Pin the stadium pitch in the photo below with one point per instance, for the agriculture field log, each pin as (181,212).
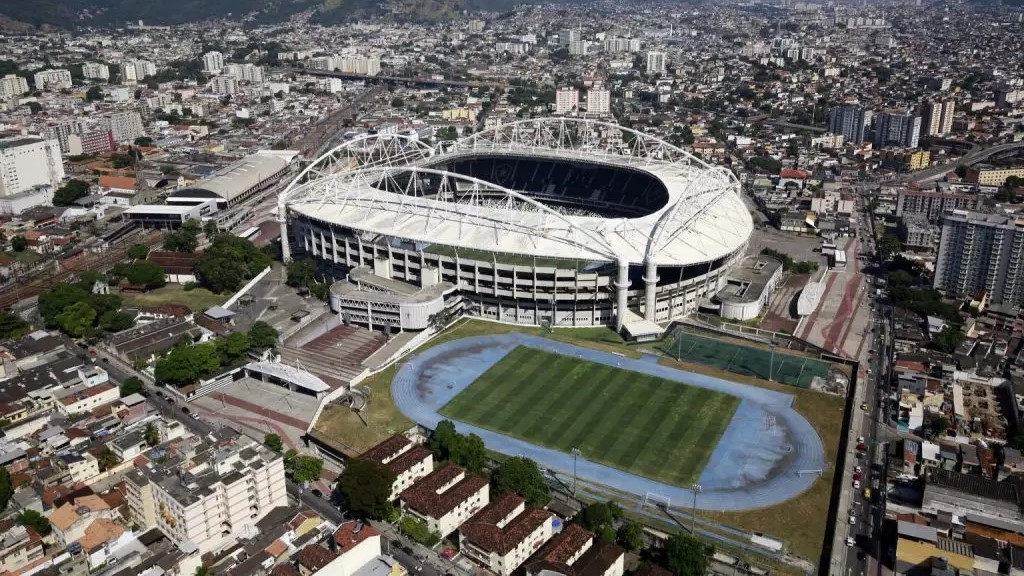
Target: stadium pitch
(650,426)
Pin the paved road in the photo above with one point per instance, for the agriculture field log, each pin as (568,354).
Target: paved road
(972,157)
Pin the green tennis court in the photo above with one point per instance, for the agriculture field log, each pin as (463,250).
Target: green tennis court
(796,371)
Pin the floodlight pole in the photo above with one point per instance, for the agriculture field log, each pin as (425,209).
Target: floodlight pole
(771,366)
(575,455)
(693,515)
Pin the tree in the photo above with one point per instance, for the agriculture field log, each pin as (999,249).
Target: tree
(186,364)
(948,339)
(365,486)
(72,190)
(6,489)
(143,141)
(107,459)
(19,243)
(34,520)
(631,536)
(940,425)
(94,94)
(685,555)
(889,245)
(232,347)
(184,239)
(138,251)
(210,228)
(203,571)
(146,274)
(306,468)
(274,442)
(596,516)
(300,273)
(262,335)
(152,435)
(522,476)
(77,319)
(397,102)
(35,107)
(113,321)
(12,327)
(230,262)
(132,385)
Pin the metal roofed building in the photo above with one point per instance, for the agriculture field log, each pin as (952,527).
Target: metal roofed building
(236,182)
(572,222)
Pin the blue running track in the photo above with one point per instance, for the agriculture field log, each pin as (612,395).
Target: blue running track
(767,455)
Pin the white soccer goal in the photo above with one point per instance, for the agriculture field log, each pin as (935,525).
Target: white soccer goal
(658,500)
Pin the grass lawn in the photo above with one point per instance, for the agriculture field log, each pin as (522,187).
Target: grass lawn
(649,426)
(198,299)
(380,419)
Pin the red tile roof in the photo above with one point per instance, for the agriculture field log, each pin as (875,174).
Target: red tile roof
(425,496)
(347,538)
(315,557)
(792,173)
(483,530)
(121,182)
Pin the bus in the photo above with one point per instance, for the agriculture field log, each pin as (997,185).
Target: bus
(250,233)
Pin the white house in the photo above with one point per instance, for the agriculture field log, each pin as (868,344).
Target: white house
(505,533)
(446,498)
(407,460)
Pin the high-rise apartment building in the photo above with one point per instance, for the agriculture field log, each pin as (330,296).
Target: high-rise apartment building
(655,62)
(95,71)
(897,129)
(851,121)
(244,72)
(979,251)
(568,36)
(223,85)
(579,47)
(933,205)
(567,100)
(938,118)
(219,494)
(599,100)
(61,132)
(619,45)
(27,162)
(125,126)
(213,62)
(59,79)
(135,70)
(11,85)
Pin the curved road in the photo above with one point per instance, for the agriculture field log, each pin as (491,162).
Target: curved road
(972,157)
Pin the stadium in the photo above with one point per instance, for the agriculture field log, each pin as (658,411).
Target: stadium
(558,221)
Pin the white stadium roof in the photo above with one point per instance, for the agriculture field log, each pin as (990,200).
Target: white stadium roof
(703,220)
(239,177)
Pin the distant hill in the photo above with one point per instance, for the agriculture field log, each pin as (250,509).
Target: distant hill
(72,13)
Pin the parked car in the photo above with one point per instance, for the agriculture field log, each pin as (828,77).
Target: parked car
(850,541)
(317,493)
(853,519)
(185,410)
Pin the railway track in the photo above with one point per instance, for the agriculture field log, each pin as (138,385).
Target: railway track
(71,267)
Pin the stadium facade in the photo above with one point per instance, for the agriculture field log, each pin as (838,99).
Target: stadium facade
(568,222)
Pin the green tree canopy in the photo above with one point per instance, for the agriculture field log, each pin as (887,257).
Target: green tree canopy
(132,385)
(186,364)
(94,94)
(55,301)
(113,321)
(466,451)
(522,476)
(138,251)
(229,263)
(107,459)
(19,243)
(72,190)
(184,239)
(262,335)
(7,490)
(301,273)
(12,327)
(145,273)
(685,555)
(365,486)
(36,521)
(232,347)
(143,141)
(631,536)
(77,319)
(274,442)
(152,435)
(889,245)
(306,468)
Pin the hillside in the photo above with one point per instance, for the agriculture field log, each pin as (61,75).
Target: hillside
(71,13)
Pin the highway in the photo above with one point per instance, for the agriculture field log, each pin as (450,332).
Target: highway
(418,81)
(972,157)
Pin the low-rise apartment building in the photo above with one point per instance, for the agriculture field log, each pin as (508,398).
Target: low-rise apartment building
(446,498)
(406,459)
(575,551)
(505,533)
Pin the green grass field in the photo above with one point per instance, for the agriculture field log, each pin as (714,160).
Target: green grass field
(652,427)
